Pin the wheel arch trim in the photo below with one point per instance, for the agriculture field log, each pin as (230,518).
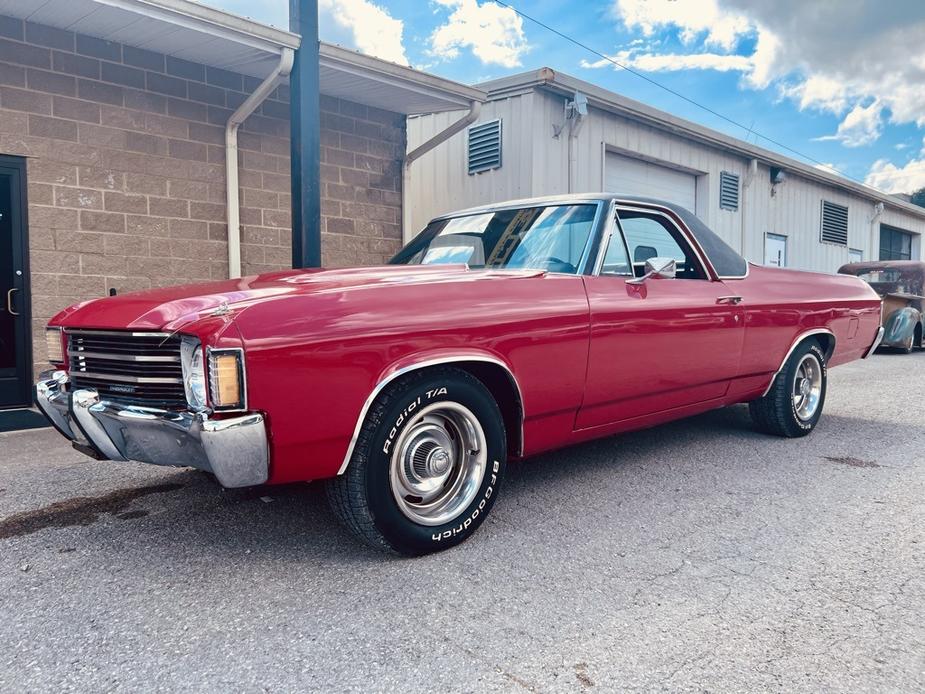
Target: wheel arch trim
(796,343)
(446,360)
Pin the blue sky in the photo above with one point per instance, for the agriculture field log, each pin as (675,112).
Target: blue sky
(841,81)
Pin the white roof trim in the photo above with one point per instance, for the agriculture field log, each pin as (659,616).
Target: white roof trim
(440,94)
(615,103)
(193,15)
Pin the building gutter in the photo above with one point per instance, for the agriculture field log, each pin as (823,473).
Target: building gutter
(232,193)
(475,108)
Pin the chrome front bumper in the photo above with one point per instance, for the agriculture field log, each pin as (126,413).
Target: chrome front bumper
(877,341)
(235,450)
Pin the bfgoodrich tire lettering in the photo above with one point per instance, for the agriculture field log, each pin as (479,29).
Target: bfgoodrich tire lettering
(427,466)
(793,406)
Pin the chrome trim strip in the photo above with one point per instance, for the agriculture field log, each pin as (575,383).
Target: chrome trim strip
(119,378)
(612,230)
(683,230)
(877,340)
(423,365)
(547,201)
(800,338)
(116,333)
(582,267)
(123,357)
(663,209)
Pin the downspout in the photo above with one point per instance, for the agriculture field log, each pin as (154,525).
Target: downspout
(475,108)
(750,176)
(574,130)
(232,201)
(875,231)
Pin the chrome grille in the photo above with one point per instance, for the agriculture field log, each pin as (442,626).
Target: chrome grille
(134,367)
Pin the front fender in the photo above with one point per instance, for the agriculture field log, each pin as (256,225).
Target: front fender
(899,329)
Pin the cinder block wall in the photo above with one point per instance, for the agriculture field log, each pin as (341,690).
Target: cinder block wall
(362,149)
(125,167)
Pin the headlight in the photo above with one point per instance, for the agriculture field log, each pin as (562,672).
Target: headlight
(226,379)
(194,375)
(55,345)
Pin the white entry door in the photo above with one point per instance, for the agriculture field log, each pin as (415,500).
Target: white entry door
(775,250)
(630,176)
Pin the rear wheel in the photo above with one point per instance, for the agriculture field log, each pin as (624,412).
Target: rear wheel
(427,465)
(793,406)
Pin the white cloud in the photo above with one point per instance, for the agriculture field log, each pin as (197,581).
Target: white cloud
(365,26)
(825,58)
(700,18)
(818,92)
(674,62)
(494,34)
(894,179)
(862,126)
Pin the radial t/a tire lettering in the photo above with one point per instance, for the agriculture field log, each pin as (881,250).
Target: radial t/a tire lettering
(427,466)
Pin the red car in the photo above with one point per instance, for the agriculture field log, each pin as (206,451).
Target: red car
(497,333)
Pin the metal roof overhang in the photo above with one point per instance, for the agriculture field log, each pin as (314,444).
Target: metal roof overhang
(350,75)
(202,34)
(178,28)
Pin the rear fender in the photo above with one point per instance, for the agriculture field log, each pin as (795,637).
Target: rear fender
(900,326)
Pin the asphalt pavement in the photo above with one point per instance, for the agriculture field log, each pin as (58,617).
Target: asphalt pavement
(697,556)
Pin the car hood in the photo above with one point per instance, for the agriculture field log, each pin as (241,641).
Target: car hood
(170,308)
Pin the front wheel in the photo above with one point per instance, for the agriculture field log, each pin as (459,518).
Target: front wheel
(427,465)
(793,406)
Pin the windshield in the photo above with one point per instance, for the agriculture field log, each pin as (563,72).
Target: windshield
(542,238)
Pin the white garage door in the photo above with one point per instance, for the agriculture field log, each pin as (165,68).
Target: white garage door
(628,176)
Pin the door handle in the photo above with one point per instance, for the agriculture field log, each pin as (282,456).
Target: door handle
(734,300)
(9,301)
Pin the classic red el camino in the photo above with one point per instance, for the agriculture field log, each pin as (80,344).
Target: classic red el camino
(497,333)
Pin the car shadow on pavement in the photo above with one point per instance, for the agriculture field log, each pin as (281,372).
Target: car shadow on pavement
(187,513)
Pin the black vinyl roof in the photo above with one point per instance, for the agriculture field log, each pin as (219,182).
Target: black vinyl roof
(724,259)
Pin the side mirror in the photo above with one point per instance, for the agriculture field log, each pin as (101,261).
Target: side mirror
(662,268)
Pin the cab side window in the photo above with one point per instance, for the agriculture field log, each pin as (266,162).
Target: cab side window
(652,236)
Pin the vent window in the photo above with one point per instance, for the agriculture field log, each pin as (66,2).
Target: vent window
(728,191)
(834,223)
(485,146)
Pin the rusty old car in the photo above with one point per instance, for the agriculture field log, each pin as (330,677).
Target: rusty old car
(901,284)
(497,333)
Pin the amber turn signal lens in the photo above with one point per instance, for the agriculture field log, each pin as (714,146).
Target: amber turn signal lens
(55,347)
(226,375)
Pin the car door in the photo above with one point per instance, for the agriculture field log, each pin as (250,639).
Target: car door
(659,344)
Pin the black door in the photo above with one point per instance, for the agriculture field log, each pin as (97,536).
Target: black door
(15,333)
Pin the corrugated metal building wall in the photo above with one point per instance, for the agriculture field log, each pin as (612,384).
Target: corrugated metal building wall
(535,161)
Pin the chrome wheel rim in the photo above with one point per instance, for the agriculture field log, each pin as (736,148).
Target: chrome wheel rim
(438,463)
(807,387)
